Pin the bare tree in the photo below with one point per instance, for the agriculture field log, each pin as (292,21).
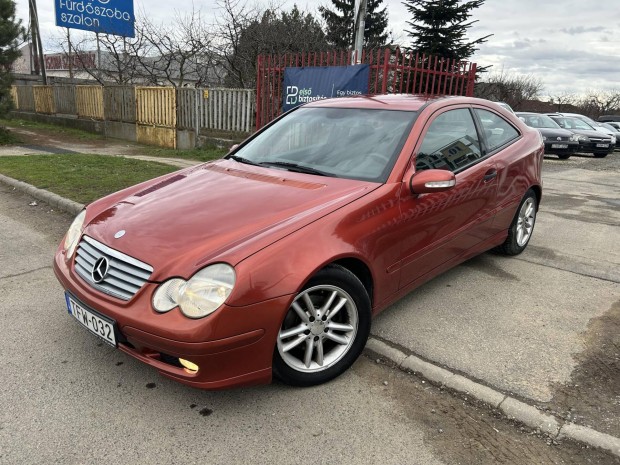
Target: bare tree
(597,103)
(562,100)
(178,53)
(512,88)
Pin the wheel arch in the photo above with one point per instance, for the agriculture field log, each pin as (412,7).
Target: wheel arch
(538,191)
(360,270)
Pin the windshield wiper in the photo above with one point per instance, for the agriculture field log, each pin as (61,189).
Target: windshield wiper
(297,168)
(243,160)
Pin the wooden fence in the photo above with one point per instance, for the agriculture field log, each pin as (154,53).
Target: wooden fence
(119,103)
(65,100)
(157,112)
(44,100)
(89,100)
(25,98)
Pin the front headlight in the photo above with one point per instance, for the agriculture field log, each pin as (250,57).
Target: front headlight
(74,233)
(613,139)
(583,138)
(198,297)
(575,137)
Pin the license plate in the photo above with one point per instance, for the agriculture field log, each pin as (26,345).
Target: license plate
(559,146)
(94,322)
(602,145)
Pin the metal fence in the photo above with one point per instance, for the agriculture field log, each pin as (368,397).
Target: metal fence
(164,107)
(391,71)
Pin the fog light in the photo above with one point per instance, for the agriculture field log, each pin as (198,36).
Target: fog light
(189,367)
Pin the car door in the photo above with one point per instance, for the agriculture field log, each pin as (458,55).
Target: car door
(512,164)
(438,227)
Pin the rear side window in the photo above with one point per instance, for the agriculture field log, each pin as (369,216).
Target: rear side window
(451,143)
(498,132)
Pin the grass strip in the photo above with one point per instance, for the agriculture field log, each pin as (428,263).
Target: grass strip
(56,129)
(82,178)
(201,154)
(8,138)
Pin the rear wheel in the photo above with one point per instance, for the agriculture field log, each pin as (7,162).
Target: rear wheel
(522,226)
(324,330)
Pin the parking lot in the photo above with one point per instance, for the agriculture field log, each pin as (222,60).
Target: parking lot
(543,326)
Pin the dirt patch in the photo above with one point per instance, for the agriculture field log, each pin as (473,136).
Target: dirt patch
(592,397)
(53,142)
(463,431)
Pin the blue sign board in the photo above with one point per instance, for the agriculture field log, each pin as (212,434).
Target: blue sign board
(303,85)
(104,16)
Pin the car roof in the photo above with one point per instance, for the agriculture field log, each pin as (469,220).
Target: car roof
(408,102)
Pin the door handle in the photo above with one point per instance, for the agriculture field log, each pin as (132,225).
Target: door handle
(490,175)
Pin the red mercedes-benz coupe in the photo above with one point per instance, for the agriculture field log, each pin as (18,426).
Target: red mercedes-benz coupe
(274,259)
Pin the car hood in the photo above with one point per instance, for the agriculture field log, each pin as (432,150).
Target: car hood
(591,133)
(552,132)
(220,211)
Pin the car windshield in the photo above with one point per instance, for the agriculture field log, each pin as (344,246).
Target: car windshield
(350,143)
(572,123)
(609,127)
(539,121)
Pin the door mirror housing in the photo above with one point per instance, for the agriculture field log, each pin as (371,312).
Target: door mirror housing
(233,147)
(428,181)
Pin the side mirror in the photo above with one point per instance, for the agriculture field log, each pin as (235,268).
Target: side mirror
(233,148)
(427,181)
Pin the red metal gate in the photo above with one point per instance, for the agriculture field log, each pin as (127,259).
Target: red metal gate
(391,71)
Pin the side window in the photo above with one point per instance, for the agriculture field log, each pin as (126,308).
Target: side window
(497,130)
(451,143)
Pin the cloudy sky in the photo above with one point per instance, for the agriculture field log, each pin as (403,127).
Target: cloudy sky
(573,46)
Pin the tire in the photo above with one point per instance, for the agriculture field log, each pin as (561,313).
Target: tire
(522,226)
(600,155)
(564,156)
(325,329)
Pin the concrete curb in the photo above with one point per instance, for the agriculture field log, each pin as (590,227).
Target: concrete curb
(511,407)
(514,409)
(53,200)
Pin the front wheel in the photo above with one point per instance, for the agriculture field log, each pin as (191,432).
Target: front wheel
(522,226)
(324,330)
(564,156)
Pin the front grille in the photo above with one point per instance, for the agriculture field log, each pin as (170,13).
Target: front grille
(125,275)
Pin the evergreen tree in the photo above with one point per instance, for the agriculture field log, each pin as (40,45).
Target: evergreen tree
(340,23)
(10,31)
(439,27)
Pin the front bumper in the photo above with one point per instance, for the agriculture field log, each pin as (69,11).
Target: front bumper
(552,147)
(591,147)
(232,347)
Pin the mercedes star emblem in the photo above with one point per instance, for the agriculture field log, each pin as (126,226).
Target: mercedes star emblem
(100,270)
(119,234)
(559,138)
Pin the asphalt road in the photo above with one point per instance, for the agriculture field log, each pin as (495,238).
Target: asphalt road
(522,325)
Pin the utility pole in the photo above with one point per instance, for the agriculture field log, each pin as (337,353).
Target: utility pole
(360,26)
(70,56)
(36,37)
